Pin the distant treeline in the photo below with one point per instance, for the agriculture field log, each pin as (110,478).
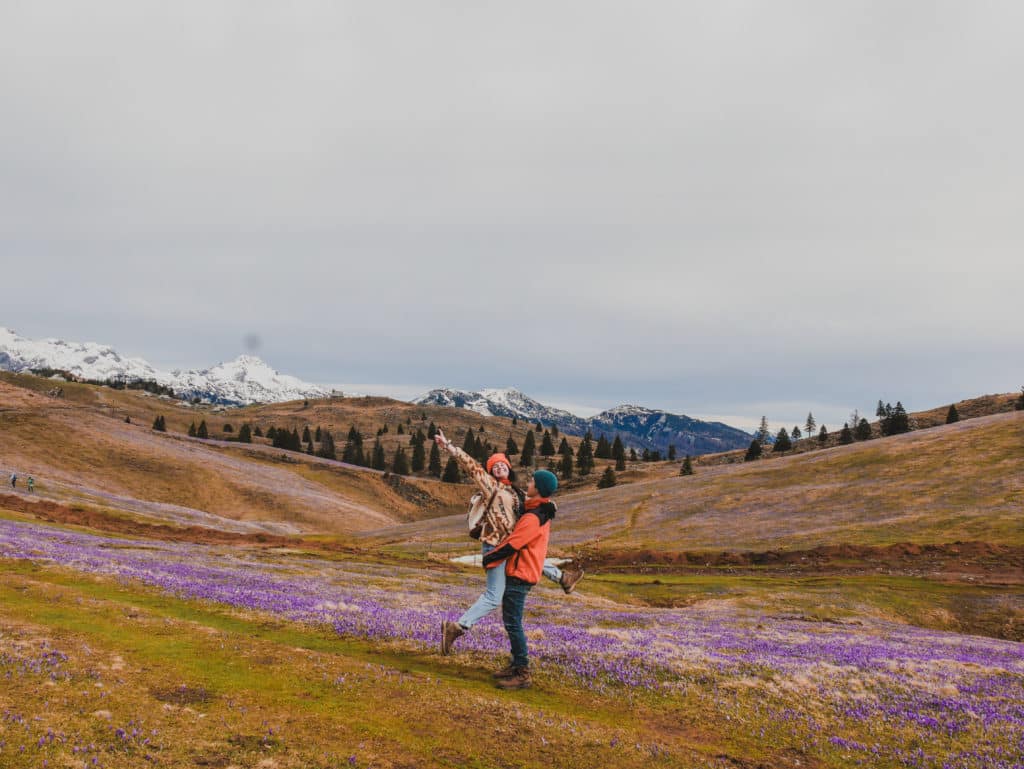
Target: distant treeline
(115,383)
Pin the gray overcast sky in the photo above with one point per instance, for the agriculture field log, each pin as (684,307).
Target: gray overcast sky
(723,208)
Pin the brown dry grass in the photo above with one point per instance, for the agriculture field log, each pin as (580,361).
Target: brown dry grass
(955,482)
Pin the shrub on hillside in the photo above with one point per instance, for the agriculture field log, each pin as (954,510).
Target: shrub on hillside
(753,451)
(607,480)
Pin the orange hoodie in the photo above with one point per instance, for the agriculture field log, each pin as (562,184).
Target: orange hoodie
(524,550)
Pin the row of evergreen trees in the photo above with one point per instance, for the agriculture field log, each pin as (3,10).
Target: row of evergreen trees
(892,420)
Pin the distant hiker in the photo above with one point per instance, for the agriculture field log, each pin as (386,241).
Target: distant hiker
(521,556)
(494,511)
(31,484)
(14,480)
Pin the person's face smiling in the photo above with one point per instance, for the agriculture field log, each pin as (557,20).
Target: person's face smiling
(500,471)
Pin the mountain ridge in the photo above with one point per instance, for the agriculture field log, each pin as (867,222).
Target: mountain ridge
(242,381)
(639,426)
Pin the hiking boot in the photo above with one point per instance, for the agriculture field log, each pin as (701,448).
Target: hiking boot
(449,632)
(506,672)
(569,579)
(520,679)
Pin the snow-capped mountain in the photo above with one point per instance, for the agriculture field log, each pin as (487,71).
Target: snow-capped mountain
(659,429)
(244,380)
(638,426)
(86,360)
(506,402)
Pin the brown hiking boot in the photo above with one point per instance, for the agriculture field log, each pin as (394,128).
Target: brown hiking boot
(520,679)
(449,632)
(569,579)
(506,672)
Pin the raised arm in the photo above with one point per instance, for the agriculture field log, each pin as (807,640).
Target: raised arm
(467,464)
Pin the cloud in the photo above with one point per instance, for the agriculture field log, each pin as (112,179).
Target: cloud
(693,206)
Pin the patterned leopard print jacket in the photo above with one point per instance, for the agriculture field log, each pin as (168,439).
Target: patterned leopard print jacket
(499,521)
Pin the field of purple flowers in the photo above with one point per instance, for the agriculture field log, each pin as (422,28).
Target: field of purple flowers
(863,692)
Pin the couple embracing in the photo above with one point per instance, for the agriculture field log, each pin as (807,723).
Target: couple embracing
(514,527)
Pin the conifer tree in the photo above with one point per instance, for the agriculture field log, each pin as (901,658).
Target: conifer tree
(401,431)
(753,451)
(846,434)
(511,449)
(900,421)
(671,452)
(547,448)
(564,448)
(479,450)
(431,431)
(565,467)
(434,463)
(529,447)
(604,448)
(245,433)
(419,457)
(257,432)
(646,456)
(353,451)
(127,420)
(201,431)
(632,455)
(952,415)
(539,427)
(823,435)
(796,434)
(618,451)
(782,442)
(400,463)
(863,431)
(384,429)
(309,448)
(469,445)
(306,437)
(378,460)
(515,421)
(319,435)
(1019,406)
(272,432)
(620,463)
(607,479)
(881,412)
(585,456)
(451,472)
(294,444)
(655,455)
(159,425)
(810,424)
(687,468)
(762,431)
(327,450)
(192,430)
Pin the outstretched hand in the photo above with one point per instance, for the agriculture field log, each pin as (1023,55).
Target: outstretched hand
(440,440)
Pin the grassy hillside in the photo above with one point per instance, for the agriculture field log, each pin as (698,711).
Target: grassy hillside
(963,481)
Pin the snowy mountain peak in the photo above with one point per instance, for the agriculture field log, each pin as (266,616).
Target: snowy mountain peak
(244,380)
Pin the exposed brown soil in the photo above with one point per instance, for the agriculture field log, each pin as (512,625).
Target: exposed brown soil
(974,561)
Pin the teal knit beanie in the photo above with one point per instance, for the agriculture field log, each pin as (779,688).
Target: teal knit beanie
(546,482)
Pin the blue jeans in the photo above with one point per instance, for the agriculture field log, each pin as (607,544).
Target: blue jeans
(552,572)
(490,599)
(512,603)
